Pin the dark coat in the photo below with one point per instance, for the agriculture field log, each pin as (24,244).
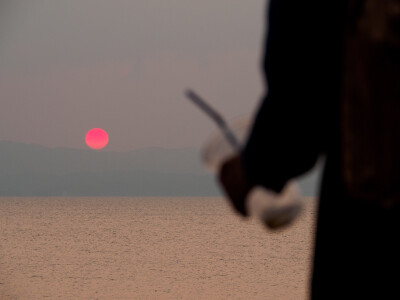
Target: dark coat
(300,119)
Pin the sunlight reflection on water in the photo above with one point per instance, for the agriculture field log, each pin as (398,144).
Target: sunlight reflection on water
(148,248)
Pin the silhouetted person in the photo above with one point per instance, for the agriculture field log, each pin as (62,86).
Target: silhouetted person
(333,80)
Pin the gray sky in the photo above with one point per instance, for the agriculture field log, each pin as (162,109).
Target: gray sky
(68,66)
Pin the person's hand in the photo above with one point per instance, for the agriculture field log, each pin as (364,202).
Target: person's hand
(234,182)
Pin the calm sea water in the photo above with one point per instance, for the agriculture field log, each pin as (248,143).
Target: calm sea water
(148,248)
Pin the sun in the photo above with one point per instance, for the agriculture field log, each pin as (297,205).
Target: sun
(96,138)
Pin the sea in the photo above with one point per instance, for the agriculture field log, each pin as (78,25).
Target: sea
(149,248)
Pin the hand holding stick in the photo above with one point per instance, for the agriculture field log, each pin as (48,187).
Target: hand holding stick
(274,210)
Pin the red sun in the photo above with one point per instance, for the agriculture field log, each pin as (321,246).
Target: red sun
(96,138)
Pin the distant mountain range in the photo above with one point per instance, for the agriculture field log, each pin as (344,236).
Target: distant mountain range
(34,170)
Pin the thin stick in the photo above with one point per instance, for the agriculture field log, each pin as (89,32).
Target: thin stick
(216,117)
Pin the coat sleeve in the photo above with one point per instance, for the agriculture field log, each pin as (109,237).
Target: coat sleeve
(291,126)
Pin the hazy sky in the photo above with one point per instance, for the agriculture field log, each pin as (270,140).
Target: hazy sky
(68,66)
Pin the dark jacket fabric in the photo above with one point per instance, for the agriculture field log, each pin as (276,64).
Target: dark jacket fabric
(356,255)
(297,120)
